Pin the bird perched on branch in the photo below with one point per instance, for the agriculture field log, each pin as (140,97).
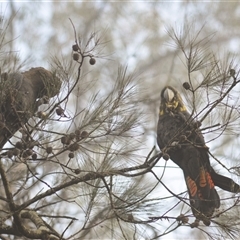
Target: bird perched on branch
(19,95)
(179,137)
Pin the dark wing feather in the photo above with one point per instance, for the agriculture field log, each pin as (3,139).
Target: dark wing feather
(224,183)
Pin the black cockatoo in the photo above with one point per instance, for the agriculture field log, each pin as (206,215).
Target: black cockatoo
(19,98)
(179,136)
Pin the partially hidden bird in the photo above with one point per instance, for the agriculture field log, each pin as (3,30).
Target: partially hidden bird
(179,137)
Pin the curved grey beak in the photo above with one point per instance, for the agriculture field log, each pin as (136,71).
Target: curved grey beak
(168,95)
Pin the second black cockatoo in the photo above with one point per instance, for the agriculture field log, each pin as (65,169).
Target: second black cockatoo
(19,98)
(179,136)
